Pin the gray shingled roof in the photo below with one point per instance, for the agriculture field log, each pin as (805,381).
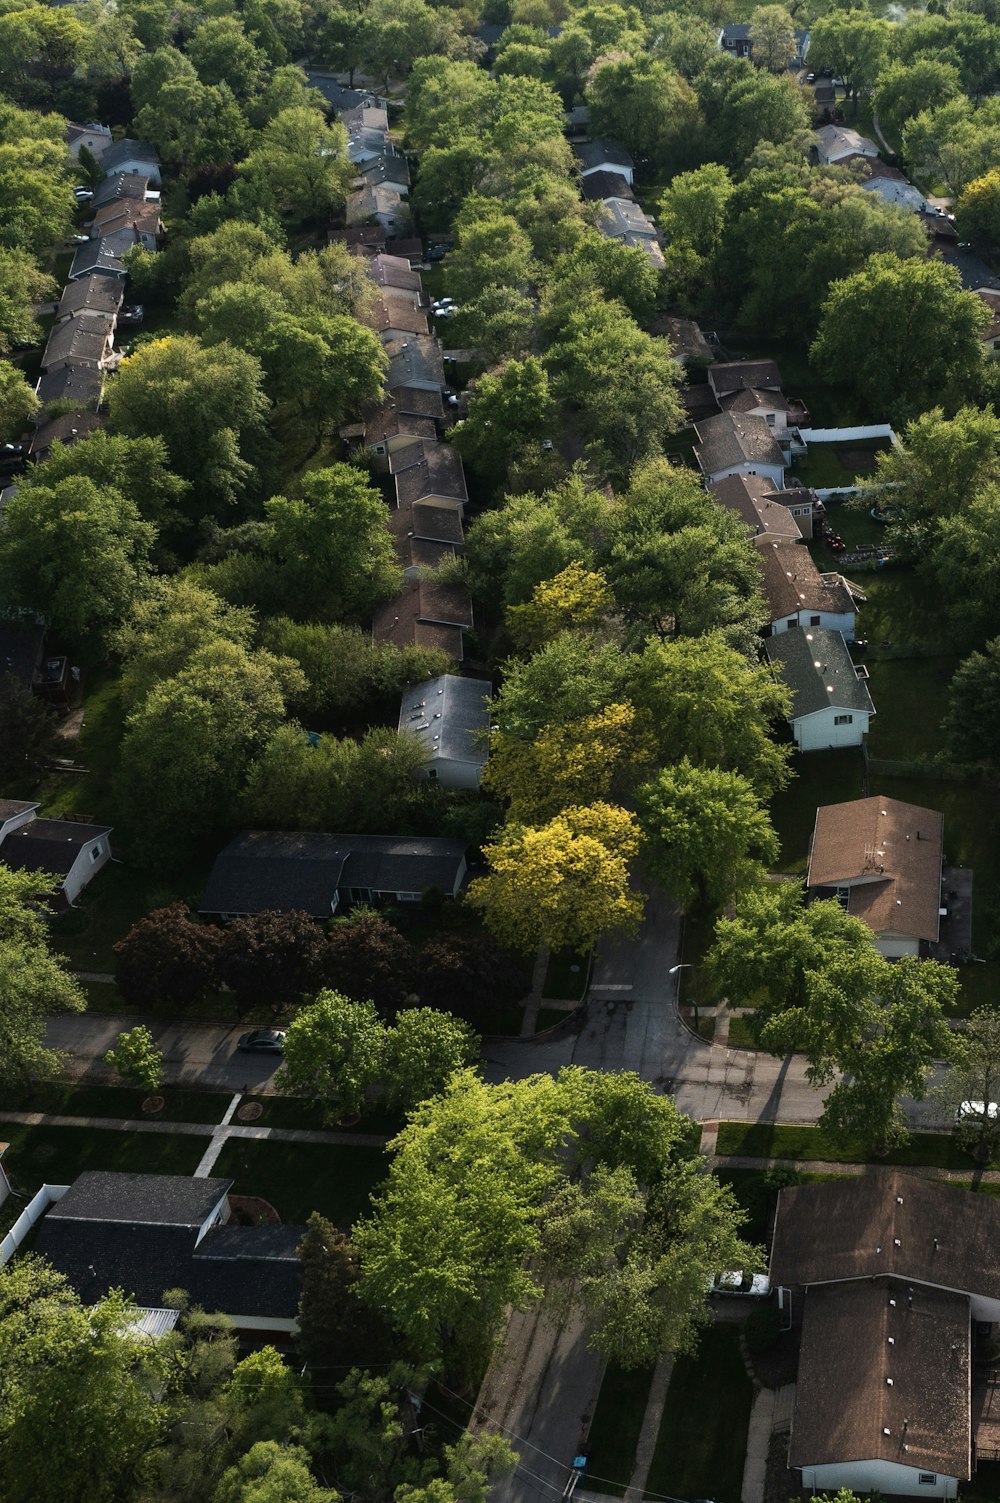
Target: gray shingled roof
(83,340)
(595,154)
(450,717)
(428,469)
(120,185)
(729,439)
(91,294)
(136,1199)
(414,361)
(104,255)
(83,385)
(739,375)
(48,845)
(817,667)
(128,150)
(599,185)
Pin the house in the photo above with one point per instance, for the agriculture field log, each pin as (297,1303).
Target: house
(772,406)
(893,191)
(22,653)
(94,294)
(888,1272)
(67,428)
(389,169)
(121,185)
(686,340)
(415,362)
(366,143)
(82,385)
(14,812)
(578,122)
(835,142)
(343,99)
(66,848)
(301,871)
(366,117)
(729,376)
(94,138)
(428,613)
(80,341)
(104,257)
(622,219)
(450,717)
(428,472)
(804,505)
(132,156)
(389,427)
(148,1233)
(425,533)
(751,497)
(831,705)
(974,272)
(417,402)
(990,335)
(382,205)
(597,186)
(824,94)
(396,272)
(736,40)
(882,859)
(737,444)
(395,316)
(605,156)
(140,215)
(798,595)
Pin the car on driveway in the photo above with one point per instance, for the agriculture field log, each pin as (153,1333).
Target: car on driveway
(746,1285)
(262,1041)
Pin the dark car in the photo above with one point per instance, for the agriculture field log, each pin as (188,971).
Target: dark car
(133,315)
(13,457)
(263,1041)
(437,253)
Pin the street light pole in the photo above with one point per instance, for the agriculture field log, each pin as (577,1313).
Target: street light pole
(686,965)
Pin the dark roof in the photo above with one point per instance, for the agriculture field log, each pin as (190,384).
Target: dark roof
(104,255)
(21,645)
(81,384)
(736,31)
(594,154)
(82,340)
(49,845)
(140,1199)
(884,1374)
(396,312)
(751,397)
(729,440)
(394,271)
(736,375)
(751,497)
(817,667)
(390,168)
(414,401)
(449,716)
(793,583)
(429,519)
(66,429)
(120,185)
(91,294)
(428,613)
(391,421)
(427,469)
(128,150)
(128,213)
(888,1222)
(10,808)
(302,870)
(973,272)
(340,97)
(416,359)
(601,185)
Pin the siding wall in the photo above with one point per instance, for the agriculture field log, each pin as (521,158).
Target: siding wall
(877,1476)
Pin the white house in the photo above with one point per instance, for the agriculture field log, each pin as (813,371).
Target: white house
(132,156)
(605,156)
(67,849)
(799,595)
(834,142)
(882,859)
(94,138)
(738,444)
(450,717)
(831,705)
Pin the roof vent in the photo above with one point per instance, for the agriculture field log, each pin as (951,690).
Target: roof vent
(892,1341)
(896,1242)
(888,1382)
(892,1303)
(886,1430)
(899,1200)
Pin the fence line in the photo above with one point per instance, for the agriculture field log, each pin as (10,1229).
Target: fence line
(29,1217)
(847,435)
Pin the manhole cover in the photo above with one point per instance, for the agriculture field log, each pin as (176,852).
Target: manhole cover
(249,1111)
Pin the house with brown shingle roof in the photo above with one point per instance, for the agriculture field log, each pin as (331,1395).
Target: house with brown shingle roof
(797,593)
(738,444)
(425,534)
(390,427)
(729,376)
(428,472)
(394,315)
(752,499)
(882,859)
(429,613)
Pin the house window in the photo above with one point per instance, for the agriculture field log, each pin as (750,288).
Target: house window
(927,1479)
(770,419)
(792,621)
(843,719)
(814,620)
(97,852)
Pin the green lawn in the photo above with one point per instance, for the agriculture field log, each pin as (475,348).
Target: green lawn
(67,1099)
(910,697)
(291,1111)
(765,1140)
(829,777)
(56,1155)
(822,467)
(614,1430)
(566,976)
(702,1442)
(740,1036)
(303,1177)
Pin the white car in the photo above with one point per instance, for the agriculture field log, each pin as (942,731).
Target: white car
(748,1285)
(978,1110)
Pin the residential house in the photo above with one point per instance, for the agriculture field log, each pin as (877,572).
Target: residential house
(66,848)
(799,595)
(97,295)
(886,1274)
(990,335)
(410,247)
(835,143)
(301,871)
(104,257)
(686,340)
(370,117)
(736,40)
(831,705)
(388,427)
(804,505)
(450,717)
(824,95)
(417,402)
(141,216)
(87,340)
(14,812)
(882,859)
(132,156)
(22,653)
(82,385)
(600,185)
(148,1233)
(605,156)
(893,190)
(727,377)
(428,613)
(428,472)
(132,185)
(342,98)
(772,406)
(394,315)
(388,170)
(973,271)
(425,533)
(94,138)
(751,497)
(395,272)
(382,205)
(623,220)
(578,122)
(366,143)
(67,428)
(415,362)
(738,444)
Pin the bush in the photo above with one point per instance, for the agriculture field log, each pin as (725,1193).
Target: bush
(762,1328)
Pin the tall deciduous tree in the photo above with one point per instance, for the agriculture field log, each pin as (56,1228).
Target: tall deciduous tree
(18,401)
(970,1092)
(978,210)
(271,959)
(904,89)
(423,1050)
(334,1052)
(33,981)
(511,408)
(22,286)
(855,44)
(304,163)
(272,1472)
(336,1330)
(772,33)
(366,958)
(972,724)
(167,961)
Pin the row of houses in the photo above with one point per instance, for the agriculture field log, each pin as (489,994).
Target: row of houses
(378,196)
(607,173)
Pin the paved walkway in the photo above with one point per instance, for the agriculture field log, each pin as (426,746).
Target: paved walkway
(650,1431)
(200,1129)
(218,1141)
(772,1411)
(822,1166)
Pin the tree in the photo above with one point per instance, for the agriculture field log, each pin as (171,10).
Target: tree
(134,467)
(954,143)
(561,884)
(608,268)
(173,621)
(304,162)
(78,553)
(872,319)
(136,1058)
(33,981)
(575,763)
(273,1473)
(965,38)
(369,960)
(203,402)
(491,249)
(575,598)
(18,402)
(271,959)
(28,733)
(511,409)
(965,565)
(470,1467)
(855,45)
(971,1087)
(644,104)
(335,1328)
(345,668)
(772,35)
(423,1050)
(22,286)
(167,961)
(972,724)
(692,215)
(303,782)
(705,832)
(472,977)
(745,106)
(903,90)
(334,1053)
(222,52)
(977,211)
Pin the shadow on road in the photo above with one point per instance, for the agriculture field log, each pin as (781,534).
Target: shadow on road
(769,1111)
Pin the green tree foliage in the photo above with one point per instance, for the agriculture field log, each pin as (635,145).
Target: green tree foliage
(705,832)
(692,215)
(903,90)
(744,106)
(423,1050)
(955,143)
(222,53)
(397,33)
(136,1058)
(33,981)
(272,1473)
(855,44)
(644,104)
(458,1233)
(22,285)
(576,598)
(304,163)
(608,268)
(28,732)
(335,1329)
(490,249)
(772,33)
(269,960)
(35,204)
(334,1053)
(576,763)
(971,1088)
(470,1467)
(510,411)
(872,320)
(972,724)
(134,467)
(977,211)
(172,621)
(473,978)
(966,567)
(204,403)
(344,784)
(344,668)
(76,552)
(167,961)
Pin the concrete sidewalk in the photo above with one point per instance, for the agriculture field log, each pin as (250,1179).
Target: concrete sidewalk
(199,1129)
(772,1411)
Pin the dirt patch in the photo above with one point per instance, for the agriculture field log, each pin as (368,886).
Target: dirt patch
(251,1210)
(857,461)
(250,1111)
(779,1483)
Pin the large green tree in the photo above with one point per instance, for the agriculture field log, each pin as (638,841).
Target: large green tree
(304,162)
(33,980)
(972,724)
(855,44)
(334,1053)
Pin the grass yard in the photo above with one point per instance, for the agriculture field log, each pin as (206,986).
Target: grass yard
(614,1431)
(65,1099)
(292,1111)
(829,777)
(304,1177)
(831,465)
(117,898)
(56,1155)
(702,1442)
(765,1140)
(910,697)
(740,1036)
(566,976)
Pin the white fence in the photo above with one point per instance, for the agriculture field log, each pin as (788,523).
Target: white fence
(847,435)
(29,1217)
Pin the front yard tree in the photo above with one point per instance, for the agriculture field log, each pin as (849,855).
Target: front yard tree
(855,45)
(22,286)
(334,1051)
(705,832)
(304,162)
(167,961)
(272,1472)
(904,89)
(18,402)
(33,981)
(562,884)
(566,765)
(772,33)
(859,332)
(270,959)
(136,1058)
(423,1050)
(335,1328)
(368,959)
(972,1084)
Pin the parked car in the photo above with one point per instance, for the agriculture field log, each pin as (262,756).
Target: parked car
(810,78)
(747,1285)
(437,253)
(977,1110)
(133,315)
(263,1041)
(77,239)
(83,195)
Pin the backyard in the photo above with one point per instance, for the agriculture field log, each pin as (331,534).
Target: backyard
(828,466)
(702,1443)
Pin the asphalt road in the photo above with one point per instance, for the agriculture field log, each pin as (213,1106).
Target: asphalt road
(193,1053)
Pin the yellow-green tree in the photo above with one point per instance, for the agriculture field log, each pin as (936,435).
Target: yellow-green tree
(564,765)
(564,883)
(574,597)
